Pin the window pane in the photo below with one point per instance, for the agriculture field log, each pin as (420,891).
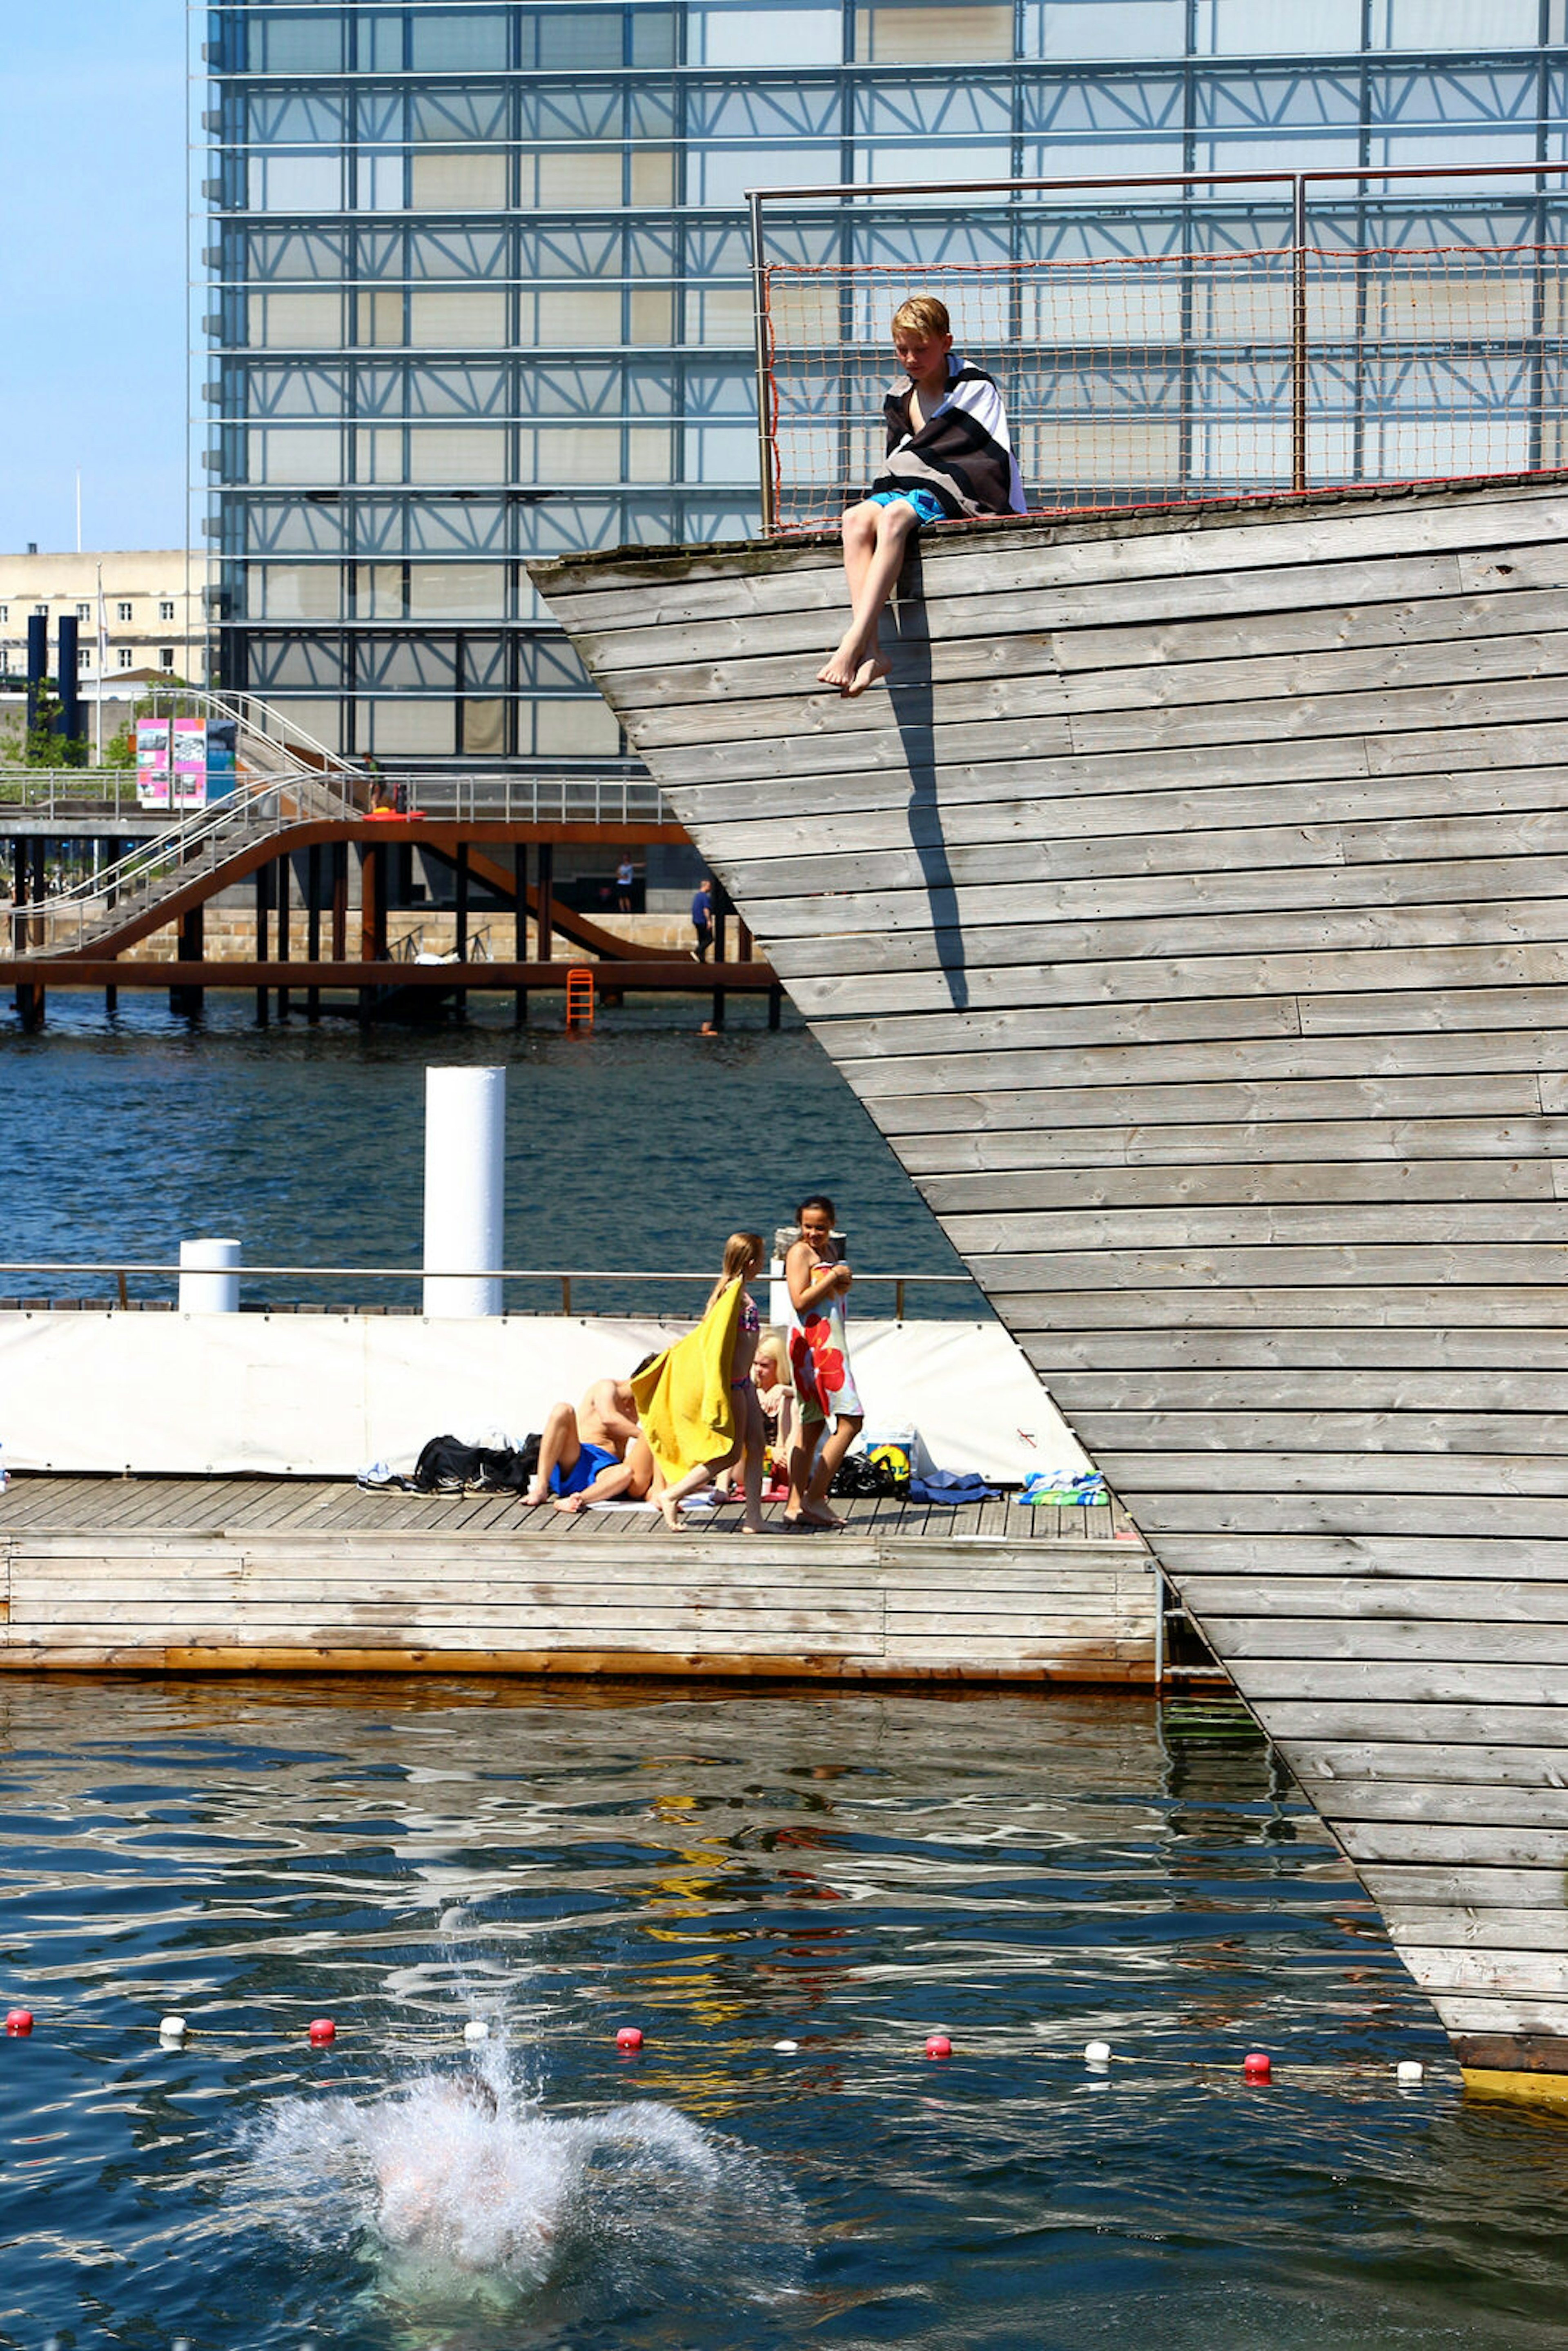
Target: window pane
(589,315)
(933,34)
(451,44)
(310,455)
(312,44)
(580,36)
(575,730)
(579,453)
(310,322)
(445,183)
(299,592)
(404,725)
(1067,29)
(1453,23)
(462,453)
(477,317)
(484,728)
(1240,28)
(735,35)
(378,591)
(652,175)
(589,176)
(296,183)
(653,37)
(475,591)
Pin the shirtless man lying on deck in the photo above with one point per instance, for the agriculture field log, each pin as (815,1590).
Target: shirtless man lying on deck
(596,1453)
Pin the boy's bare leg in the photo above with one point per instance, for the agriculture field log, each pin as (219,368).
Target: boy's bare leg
(559,1444)
(875,538)
(609,1487)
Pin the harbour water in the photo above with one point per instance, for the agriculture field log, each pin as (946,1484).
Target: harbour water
(844,1872)
(640,1145)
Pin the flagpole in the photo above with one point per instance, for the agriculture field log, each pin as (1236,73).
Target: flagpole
(102,665)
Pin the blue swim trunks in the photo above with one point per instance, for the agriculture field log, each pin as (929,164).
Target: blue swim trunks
(926,504)
(590,1461)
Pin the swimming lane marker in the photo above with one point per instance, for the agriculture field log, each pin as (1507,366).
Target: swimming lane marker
(787,2048)
(19,2021)
(1097,2053)
(938,2045)
(172,2028)
(322,2030)
(1408,2073)
(629,2037)
(475,2030)
(1254,2066)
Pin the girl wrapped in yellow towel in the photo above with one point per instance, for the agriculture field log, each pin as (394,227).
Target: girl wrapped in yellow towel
(695,1402)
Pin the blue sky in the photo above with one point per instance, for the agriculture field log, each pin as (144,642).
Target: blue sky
(92,273)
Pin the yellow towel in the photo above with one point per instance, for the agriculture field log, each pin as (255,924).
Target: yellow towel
(684,1398)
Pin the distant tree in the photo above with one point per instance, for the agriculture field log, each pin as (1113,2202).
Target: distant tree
(45,748)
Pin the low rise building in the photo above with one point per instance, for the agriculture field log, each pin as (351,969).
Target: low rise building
(152,613)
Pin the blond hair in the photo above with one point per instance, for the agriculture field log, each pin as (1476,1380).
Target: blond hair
(739,1251)
(772,1348)
(923,314)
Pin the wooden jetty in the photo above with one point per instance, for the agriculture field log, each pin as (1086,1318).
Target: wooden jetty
(291,1575)
(1189,911)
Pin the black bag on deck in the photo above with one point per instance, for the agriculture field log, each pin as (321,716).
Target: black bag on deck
(857,1475)
(445,1466)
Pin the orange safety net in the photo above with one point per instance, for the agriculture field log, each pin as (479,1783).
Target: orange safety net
(1158,379)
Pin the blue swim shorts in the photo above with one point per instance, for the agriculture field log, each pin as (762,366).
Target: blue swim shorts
(926,504)
(590,1461)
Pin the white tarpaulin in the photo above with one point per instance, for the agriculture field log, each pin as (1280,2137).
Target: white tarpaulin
(321,1394)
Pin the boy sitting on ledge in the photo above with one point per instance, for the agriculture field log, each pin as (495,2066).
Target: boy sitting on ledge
(948,455)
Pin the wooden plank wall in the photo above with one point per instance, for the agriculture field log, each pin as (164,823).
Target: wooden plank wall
(357,1598)
(1190,913)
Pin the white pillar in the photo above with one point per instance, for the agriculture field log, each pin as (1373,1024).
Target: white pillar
(465,1188)
(209,1287)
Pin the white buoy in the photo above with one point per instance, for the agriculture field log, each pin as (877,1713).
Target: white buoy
(787,2048)
(1408,2073)
(475,2030)
(172,2028)
(209,1287)
(1097,2053)
(465,1189)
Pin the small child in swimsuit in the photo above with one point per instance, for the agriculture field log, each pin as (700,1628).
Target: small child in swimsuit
(949,455)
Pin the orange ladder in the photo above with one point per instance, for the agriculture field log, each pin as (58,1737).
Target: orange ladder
(580,998)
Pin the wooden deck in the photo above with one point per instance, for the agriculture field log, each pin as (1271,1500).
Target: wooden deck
(179,1574)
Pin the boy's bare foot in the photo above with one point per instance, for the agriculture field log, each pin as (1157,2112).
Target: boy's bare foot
(570,1503)
(536,1494)
(840,667)
(867,675)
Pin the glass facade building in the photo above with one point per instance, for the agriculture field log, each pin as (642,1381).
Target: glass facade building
(480,279)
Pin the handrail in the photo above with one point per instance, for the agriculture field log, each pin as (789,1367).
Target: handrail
(119,1270)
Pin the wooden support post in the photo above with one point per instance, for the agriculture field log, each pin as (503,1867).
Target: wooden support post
(744,944)
(38,891)
(18,896)
(340,902)
(546,888)
(775,1005)
(263,890)
(460,924)
(722,910)
(30,1005)
(283,898)
(520,928)
(113,851)
(313,925)
(191,949)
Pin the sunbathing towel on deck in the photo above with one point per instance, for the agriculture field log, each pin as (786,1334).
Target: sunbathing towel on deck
(685,1401)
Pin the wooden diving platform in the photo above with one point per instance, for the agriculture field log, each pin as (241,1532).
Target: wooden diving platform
(1188,909)
(312,1575)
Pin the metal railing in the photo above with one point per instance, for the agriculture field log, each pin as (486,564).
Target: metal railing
(67,919)
(613,802)
(1168,338)
(121,1271)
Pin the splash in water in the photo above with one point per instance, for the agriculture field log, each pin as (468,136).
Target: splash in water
(457,2187)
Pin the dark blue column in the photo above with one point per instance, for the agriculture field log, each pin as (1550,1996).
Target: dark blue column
(37,663)
(70,723)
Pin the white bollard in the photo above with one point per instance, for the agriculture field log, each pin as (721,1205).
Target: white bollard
(465,1188)
(209,1287)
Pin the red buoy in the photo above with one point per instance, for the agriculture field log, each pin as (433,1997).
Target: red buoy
(938,2045)
(19,2021)
(629,2037)
(1254,2066)
(322,2030)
